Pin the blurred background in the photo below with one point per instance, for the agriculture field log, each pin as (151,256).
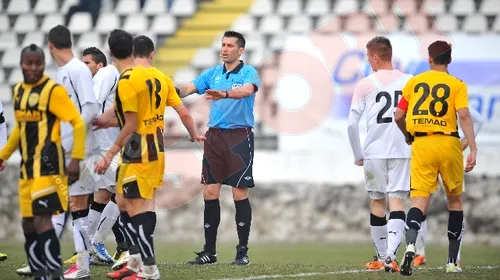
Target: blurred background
(310,54)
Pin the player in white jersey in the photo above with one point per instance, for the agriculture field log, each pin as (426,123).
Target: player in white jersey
(76,77)
(104,210)
(477,121)
(386,156)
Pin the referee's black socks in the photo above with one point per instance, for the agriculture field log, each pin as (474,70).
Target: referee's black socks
(243,219)
(211,224)
(413,221)
(455,225)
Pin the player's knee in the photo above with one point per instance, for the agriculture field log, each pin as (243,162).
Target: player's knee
(28,225)
(79,202)
(455,203)
(414,219)
(211,192)
(455,225)
(102,196)
(240,194)
(397,201)
(42,222)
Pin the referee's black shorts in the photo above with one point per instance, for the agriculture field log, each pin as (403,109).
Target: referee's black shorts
(228,157)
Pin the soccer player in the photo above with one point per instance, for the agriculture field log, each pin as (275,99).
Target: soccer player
(386,156)
(3,128)
(229,147)
(477,121)
(427,116)
(76,77)
(40,105)
(103,211)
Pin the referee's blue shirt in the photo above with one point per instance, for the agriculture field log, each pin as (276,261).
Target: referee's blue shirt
(229,113)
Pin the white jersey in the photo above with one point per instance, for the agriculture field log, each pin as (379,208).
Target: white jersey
(76,77)
(3,128)
(377,96)
(105,82)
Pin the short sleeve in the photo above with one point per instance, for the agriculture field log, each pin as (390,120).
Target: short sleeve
(462,98)
(127,95)
(252,77)
(172,98)
(202,82)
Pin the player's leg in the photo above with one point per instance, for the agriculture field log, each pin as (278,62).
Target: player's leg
(101,198)
(376,185)
(108,220)
(59,222)
(420,244)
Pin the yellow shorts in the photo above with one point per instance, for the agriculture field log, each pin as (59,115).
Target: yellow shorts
(139,180)
(43,195)
(433,155)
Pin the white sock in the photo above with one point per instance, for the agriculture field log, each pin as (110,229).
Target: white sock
(93,218)
(108,219)
(379,236)
(80,236)
(421,238)
(82,260)
(461,240)
(58,222)
(395,230)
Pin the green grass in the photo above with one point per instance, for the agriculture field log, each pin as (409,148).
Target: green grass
(322,261)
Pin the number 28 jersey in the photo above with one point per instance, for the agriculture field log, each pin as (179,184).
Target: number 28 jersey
(377,96)
(431,100)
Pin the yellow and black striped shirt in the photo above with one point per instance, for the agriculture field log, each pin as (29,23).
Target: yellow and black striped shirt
(38,110)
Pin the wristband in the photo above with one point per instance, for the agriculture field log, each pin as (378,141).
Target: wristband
(227,93)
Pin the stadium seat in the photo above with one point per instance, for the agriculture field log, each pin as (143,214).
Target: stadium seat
(204,58)
(277,42)
(8,40)
(463,7)
(490,8)
(2,78)
(358,23)
(17,7)
(387,23)
(34,37)
(254,41)
(406,7)
(300,24)
(496,25)
(80,22)
(183,8)
(184,76)
(127,7)
(271,24)
(380,7)
(289,8)
(261,8)
(328,24)
(25,23)
(136,23)
(446,23)
(49,61)
(4,23)
(5,96)
(155,7)
(164,24)
(67,4)
(317,7)
(16,76)
(107,22)
(475,24)
(89,39)
(435,8)
(245,24)
(50,21)
(416,24)
(342,6)
(43,7)
(11,58)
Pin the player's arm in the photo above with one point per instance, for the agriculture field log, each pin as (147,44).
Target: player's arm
(199,85)
(3,128)
(477,124)
(461,107)
(400,114)
(84,87)
(106,119)
(251,84)
(186,90)
(357,108)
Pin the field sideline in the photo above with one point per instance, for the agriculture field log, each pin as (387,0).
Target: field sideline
(287,261)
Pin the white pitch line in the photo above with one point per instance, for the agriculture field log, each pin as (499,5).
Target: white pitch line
(341,272)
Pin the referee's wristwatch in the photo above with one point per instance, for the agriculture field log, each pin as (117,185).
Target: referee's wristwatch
(227,94)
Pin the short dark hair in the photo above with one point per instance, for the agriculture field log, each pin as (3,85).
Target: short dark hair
(440,52)
(381,46)
(60,37)
(233,34)
(32,48)
(97,55)
(121,44)
(143,46)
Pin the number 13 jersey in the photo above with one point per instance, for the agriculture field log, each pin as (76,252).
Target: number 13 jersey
(432,100)
(378,96)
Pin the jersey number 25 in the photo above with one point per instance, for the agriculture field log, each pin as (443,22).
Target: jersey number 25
(389,101)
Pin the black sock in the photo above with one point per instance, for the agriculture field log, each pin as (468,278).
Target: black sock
(152,216)
(143,225)
(413,221)
(211,224)
(119,235)
(243,218)
(98,207)
(52,252)
(33,250)
(455,224)
(128,229)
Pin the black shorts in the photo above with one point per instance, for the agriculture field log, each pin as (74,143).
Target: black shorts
(228,157)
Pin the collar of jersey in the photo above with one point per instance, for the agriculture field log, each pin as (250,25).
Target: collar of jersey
(39,82)
(236,69)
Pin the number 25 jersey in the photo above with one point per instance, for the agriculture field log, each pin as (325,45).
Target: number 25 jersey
(377,96)
(433,100)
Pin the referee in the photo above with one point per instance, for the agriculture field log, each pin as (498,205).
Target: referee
(229,146)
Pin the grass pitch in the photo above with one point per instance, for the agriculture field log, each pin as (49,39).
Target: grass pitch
(287,261)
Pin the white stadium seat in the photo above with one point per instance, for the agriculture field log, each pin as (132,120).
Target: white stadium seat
(406,7)
(164,24)
(16,76)
(2,78)
(183,8)
(245,24)
(328,24)
(289,7)
(50,21)
(107,22)
(254,41)
(67,4)
(5,93)
(80,23)
(17,7)
(387,23)
(379,7)
(496,25)
(300,24)
(261,8)
(342,6)
(416,24)
(34,37)
(25,23)
(358,23)
(8,40)
(272,24)
(90,39)
(11,58)
(475,24)
(446,23)
(204,58)
(184,76)
(43,7)
(463,7)
(155,7)
(127,7)
(136,23)
(435,7)
(490,8)
(317,7)
(4,23)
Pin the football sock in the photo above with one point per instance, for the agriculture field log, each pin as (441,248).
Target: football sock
(143,226)
(455,225)
(243,219)
(396,228)
(461,240)
(211,224)
(80,236)
(108,219)
(413,220)
(421,237)
(49,245)
(34,252)
(59,221)
(152,216)
(119,233)
(94,218)
(378,227)
(134,261)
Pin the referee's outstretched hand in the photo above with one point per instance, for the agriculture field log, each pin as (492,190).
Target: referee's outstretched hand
(215,94)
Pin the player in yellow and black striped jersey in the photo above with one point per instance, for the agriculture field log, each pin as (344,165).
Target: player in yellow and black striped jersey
(39,106)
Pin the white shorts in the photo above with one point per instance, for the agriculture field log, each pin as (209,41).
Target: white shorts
(86,184)
(107,181)
(387,176)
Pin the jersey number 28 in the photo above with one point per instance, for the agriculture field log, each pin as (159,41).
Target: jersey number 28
(389,101)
